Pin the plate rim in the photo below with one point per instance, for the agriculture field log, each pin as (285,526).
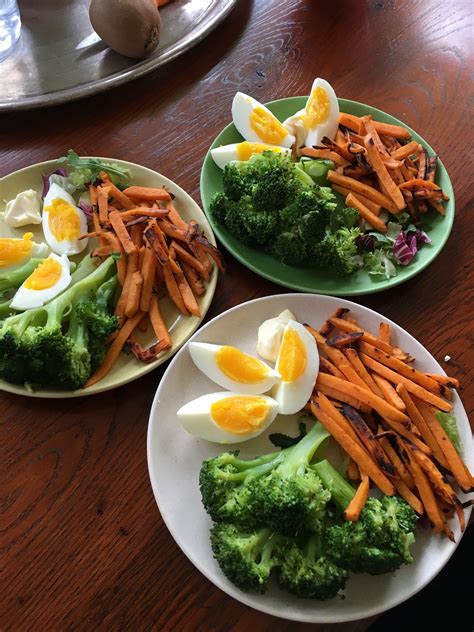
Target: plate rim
(16,389)
(123,76)
(243,597)
(385,284)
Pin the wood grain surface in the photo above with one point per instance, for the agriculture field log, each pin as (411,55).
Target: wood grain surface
(82,543)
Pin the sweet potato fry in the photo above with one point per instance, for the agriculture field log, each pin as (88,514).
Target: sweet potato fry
(134,293)
(120,197)
(359,187)
(343,397)
(356,505)
(328,367)
(353,449)
(405,150)
(369,441)
(384,332)
(372,206)
(442,488)
(363,395)
(148,272)
(122,233)
(158,324)
(367,337)
(366,214)
(211,251)
(144,211)
(353,471)
(383,175)
(183,255)
(332,410)
(412,387)
(147,194)
(445,380)
(370,129)
(335,355)
(324,154)
(173,289)
(132,266)
(389,393)
(403,431)
(351,374)
(193,279)
(362,372)
(186,292)
(327,327)
(398,464)
(172,231)
(455,464)
(344,340)
(115,349)
(102,204)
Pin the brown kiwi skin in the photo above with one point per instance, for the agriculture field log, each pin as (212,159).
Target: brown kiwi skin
(130,27)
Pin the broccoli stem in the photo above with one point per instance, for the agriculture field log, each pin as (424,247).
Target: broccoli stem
(16,277)
(299,455)
(341,491)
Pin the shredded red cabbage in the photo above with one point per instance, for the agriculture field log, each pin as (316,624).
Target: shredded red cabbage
(86,208)
(407,244)
(45,176)
(365,243)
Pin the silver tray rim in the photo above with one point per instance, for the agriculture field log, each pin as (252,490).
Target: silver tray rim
(215,16)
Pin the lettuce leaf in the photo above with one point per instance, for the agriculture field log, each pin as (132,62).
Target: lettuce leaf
(451,429)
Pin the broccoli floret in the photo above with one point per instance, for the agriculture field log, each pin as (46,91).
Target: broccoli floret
(344,217)
(307,214)
(246,558)
(289,248)
(226,484)
(291,497)
(47,345)
(307,571)
(275,181)
(379,542)
(336,252)
(237,179)
(342,492)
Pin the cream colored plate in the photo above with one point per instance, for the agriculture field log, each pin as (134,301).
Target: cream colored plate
(126,368)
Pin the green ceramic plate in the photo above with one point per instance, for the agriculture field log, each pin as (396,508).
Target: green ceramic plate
(126,368)
(309,279)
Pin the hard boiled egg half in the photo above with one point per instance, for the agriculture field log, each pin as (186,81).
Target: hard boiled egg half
(298,365)
(14,252)
(228,417)
(243,151)
(257,124)
(233,369)
(63,222)
(319,118)
(49,278)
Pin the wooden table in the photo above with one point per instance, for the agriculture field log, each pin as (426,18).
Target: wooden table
(83,546)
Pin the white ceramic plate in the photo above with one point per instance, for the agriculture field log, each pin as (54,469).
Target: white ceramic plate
(127,367)
(175,457)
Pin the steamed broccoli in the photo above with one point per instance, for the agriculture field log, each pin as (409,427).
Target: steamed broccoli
(307,571)
(246,558)
(379,541)
(337,252)
(289,248)
(344,217)
(48,345)
(290,497)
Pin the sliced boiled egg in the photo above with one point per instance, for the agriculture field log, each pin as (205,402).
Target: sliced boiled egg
(49,278)
(228,417)
(319,118)
(298,365)
(257,124)
(63,222)
(270,334)
(14,252)
(243,151)
(233,369)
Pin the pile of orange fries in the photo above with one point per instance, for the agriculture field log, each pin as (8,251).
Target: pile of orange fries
(378,167)
(158,254)
(382,412)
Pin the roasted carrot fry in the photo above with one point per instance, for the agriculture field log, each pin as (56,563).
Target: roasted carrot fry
(364,395)
(344,325)
(115,349)
(353,449)
(158,324)
(147,194)
(366,214)
(356,505)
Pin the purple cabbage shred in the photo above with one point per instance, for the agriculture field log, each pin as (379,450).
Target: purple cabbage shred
(365,243)
(86,208)
(45,176)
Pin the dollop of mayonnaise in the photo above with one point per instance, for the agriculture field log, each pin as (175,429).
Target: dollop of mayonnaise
(270,334)
(23,210)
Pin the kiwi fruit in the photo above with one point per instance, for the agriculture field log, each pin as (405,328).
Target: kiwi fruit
(130,27)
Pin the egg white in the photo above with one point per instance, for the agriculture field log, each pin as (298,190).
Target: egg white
(292,396)
(310,136)
(38,251)
(203,355)
(195,417)
(26,298)
(226,153)
(242,107)
(72,246)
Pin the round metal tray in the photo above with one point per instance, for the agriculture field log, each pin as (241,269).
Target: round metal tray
(60,58)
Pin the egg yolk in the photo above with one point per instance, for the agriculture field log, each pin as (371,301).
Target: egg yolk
(240,414)
(246,150)
(45,275)
(63,220)
(14,250)
(317,108)
(239,366)
(292,357)
(267,127)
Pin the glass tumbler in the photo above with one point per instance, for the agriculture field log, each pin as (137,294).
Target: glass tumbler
(10,27)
